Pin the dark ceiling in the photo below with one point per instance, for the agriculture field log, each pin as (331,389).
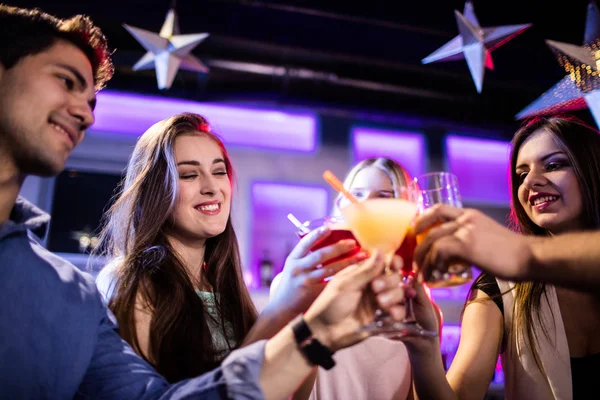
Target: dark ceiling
(344,55)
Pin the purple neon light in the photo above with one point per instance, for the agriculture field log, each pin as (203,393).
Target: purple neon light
(408,148)
(132,114)
(450,337)
(449,342)
(482,168)
(271,230)
(456,293)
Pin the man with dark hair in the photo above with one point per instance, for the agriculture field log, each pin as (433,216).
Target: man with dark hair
(57,339)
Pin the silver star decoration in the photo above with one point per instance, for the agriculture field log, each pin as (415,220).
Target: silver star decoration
(581,87)
(474,43)
(168,51)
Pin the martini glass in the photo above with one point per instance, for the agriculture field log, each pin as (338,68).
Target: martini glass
(382,224)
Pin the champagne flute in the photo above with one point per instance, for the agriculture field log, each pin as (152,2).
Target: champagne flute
(441,188)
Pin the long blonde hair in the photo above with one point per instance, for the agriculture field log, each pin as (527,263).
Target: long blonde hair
(396,172)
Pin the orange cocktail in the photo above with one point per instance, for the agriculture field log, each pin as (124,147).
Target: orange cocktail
(340,231)
(383,224)
(380,224)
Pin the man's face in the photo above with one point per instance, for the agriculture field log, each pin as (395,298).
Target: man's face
(46,103)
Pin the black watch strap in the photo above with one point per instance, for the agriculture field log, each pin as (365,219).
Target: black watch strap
(313,350)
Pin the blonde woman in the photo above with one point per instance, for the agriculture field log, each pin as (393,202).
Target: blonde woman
(377,368)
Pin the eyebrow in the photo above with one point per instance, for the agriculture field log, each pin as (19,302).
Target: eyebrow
(544,158)
(197,163)
(81,81)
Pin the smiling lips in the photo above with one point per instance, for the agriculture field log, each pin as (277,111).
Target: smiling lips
(66,130)
(541,201)
(209,208)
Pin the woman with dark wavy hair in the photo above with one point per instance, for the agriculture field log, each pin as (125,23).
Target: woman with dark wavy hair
(176,282)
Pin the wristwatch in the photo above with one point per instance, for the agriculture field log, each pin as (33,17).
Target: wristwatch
(315,352)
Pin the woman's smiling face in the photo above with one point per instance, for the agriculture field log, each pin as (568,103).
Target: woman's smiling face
(548,189)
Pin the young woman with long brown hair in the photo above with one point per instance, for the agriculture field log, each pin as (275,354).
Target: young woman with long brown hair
(176,278)
(546,335)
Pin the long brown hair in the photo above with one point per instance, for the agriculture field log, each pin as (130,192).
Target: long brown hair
(581,144)
(180,342)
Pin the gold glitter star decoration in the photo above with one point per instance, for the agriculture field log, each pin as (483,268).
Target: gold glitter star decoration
(579,89)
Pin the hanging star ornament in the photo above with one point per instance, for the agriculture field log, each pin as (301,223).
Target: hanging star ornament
(168,51)
(474,43)
(581,87)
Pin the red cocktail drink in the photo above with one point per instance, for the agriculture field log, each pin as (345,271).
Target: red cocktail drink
(338,231)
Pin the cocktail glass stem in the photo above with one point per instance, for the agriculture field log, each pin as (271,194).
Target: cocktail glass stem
(409,318)
(385,325)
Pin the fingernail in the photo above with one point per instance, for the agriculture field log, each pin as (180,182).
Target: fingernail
(384,299)
(378,284)
(362,255)
(348,243)
(323,229)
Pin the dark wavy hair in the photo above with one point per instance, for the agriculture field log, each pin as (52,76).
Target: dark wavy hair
(25,32)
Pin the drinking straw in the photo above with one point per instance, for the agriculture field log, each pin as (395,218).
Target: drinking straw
(338,185)
(297,223)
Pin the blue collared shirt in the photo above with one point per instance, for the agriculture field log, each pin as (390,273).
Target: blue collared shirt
(59,341)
